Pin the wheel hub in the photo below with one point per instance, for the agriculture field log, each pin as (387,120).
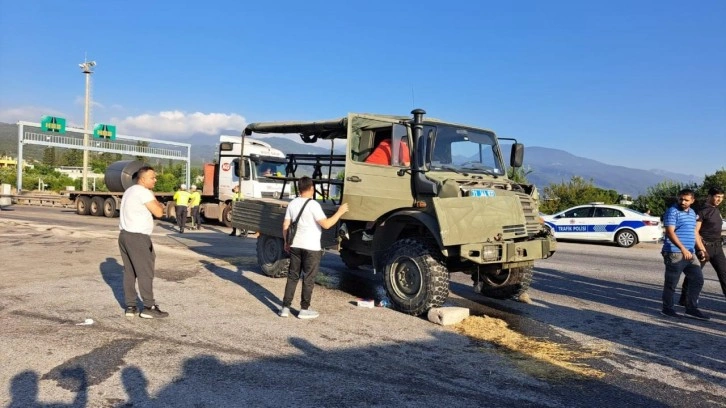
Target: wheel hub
(407,278)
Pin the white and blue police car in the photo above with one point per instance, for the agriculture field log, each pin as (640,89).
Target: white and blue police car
(603,222)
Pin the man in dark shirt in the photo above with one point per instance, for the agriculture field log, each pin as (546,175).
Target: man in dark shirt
(708,226)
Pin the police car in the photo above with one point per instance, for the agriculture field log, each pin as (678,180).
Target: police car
(603,222)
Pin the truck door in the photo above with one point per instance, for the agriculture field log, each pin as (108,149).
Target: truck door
(376,151)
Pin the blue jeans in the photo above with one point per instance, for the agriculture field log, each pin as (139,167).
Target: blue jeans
(675,264)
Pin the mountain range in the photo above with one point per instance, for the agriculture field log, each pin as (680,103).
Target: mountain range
(545,165)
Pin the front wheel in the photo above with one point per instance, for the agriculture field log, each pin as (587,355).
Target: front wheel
(227,216)
(626,238)
(271,256)
(415,276)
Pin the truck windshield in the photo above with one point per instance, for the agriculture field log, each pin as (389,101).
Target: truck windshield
(270,168)
(464,150)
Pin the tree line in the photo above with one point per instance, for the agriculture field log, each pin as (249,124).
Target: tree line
(558,197)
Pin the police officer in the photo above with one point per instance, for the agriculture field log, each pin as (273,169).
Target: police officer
(181,198)
(194,200)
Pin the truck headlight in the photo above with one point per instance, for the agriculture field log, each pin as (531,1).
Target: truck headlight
(490,252)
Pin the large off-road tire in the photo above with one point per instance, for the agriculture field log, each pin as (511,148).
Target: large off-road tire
(509,283)
(227,216)
(109,207)
(626,238)
(271,256)
(352,259)
(83,205)
(415,276)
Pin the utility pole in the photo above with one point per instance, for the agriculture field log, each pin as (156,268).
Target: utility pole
(87,69)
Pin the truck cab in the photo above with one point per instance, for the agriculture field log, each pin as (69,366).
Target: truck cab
(252,171)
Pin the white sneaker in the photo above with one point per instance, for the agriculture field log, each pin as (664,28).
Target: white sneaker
(307,314)
(367,237)
(285,312)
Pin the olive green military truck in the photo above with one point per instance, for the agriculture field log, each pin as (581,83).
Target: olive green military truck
(438,202)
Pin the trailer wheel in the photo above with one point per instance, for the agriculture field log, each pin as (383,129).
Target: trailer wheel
(171,211)
(271,256)
(96,208)
(109,207)
(415,276)
(506,283)
(83,205)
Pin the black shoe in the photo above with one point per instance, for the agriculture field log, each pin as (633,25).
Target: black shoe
(131,311)
(233,233)
(153,312)
(669,313)
(697,314)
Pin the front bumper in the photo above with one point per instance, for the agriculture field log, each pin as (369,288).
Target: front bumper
(509,252)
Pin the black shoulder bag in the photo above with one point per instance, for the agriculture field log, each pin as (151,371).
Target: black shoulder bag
(292,229)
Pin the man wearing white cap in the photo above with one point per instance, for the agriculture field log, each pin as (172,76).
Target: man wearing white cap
(181,198)
(194,200)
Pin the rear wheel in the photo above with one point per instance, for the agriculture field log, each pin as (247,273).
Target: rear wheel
(109,207)
(626,238)
(504,283)
(415,276)
(271,256)
(97,206)
(83,205)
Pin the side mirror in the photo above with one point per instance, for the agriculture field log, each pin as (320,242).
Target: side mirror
(516,158)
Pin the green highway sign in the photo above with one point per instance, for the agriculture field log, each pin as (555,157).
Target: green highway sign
(102,131)
(53,124)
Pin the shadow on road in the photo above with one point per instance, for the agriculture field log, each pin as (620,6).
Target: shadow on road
(113,274)
(418,373)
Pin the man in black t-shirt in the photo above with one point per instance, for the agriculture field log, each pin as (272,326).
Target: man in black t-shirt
(708,226)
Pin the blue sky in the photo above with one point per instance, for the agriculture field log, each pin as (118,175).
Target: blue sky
(634,83)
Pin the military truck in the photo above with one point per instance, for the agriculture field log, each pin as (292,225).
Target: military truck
(443,203)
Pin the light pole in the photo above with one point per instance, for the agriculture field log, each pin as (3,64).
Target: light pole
(87,69)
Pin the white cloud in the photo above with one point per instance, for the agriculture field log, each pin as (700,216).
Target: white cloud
(81,101)
(27,114)
(177,124)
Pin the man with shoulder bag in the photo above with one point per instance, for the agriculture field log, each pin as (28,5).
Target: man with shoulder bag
(303,244)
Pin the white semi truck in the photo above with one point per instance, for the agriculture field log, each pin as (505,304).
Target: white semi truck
(260,161)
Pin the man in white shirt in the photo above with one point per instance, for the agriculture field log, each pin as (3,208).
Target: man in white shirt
(305,251)
(138,207)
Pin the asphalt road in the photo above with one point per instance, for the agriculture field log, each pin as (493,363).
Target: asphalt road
(223,344)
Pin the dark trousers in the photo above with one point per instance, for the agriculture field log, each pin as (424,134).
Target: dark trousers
(139,258)
(309,263)
(181,216)
(675,264)
(196,219)
(718,261)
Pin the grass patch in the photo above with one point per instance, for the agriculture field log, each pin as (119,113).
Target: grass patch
(540,358)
